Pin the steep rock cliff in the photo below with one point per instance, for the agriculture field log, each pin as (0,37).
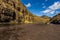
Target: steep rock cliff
(55,19)
(13,11)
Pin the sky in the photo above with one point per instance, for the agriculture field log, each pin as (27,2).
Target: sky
(43,7)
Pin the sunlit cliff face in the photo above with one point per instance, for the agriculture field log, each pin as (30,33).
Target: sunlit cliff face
(9,10)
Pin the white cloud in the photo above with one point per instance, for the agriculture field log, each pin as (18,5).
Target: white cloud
(51,9)
(55,6)
(28,5)
(48,10)
(52,12)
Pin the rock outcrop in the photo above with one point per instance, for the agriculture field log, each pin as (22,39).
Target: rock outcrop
(12,11)
(55,19)
(9,11)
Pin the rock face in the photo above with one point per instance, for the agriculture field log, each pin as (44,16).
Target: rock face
(9,11)
(56,19)
(12,11)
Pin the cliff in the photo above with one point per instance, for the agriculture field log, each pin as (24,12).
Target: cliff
(55,19)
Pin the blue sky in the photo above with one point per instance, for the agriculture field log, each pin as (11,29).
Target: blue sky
(43,7)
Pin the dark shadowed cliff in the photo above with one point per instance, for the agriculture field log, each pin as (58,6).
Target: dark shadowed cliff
(56,19)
